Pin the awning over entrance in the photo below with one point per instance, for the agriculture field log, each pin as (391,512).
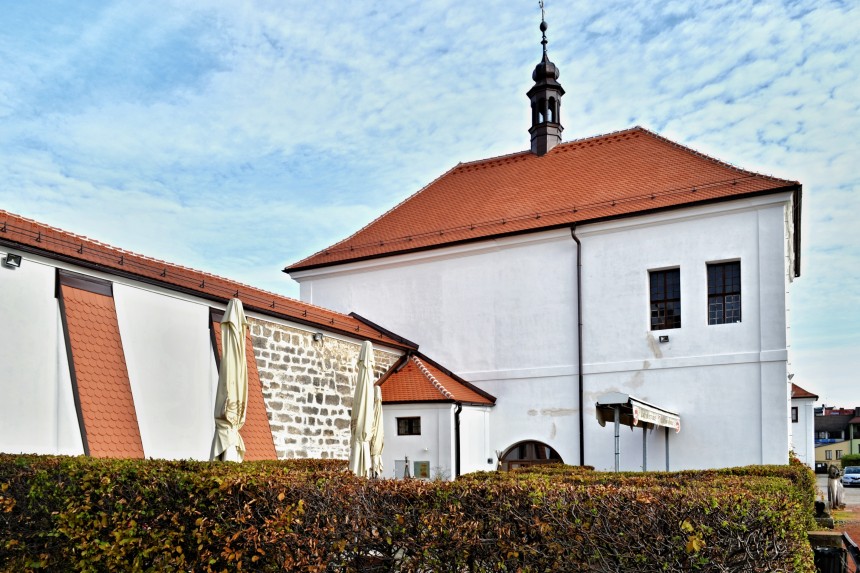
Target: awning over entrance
(633,411)
(625,409)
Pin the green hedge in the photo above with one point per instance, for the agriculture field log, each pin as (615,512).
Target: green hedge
(850,460)
(82,514)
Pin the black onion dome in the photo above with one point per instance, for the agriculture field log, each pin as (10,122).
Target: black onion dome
(545,70)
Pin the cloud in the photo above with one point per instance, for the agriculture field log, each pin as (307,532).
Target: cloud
(149,125)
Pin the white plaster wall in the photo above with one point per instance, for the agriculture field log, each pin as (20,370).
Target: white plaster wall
(435,444)
(544,409)
(474,309)
(37,412)
(475,440)
(172,371)
(502,314)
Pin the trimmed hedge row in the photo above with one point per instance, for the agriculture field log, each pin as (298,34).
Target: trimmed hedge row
(61,513)
(850,460)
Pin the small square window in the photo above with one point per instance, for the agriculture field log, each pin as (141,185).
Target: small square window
(409,426)
(794,414)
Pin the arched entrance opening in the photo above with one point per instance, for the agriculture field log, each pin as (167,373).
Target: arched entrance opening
(528,453)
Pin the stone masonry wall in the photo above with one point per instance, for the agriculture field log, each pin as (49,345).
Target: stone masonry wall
(308,388)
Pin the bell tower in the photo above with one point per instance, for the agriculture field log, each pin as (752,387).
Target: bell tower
(545,97)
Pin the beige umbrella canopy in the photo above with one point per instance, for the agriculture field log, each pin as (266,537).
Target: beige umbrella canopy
(231,398)
(377,435)
(361,420)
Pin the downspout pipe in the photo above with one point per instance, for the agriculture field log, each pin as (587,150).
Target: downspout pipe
(579,344)
(457,440)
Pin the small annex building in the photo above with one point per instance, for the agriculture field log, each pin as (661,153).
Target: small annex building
(803,424)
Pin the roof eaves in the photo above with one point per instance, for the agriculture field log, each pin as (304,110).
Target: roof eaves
(793,188)
(129,260)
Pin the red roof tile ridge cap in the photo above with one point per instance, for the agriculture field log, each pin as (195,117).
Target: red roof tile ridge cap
(324,252)
(527,152)
(712,159)
(172,266)
(427,374)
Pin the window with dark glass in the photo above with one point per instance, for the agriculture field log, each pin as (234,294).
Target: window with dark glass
(409,426)
(665,299)
(794,414)
(724,293)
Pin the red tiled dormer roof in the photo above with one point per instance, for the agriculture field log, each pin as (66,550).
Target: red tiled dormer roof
(31,236)
(415,378)
(620,174)
(102,391)
(798,392)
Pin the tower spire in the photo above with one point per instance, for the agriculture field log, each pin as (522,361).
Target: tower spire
(545,98)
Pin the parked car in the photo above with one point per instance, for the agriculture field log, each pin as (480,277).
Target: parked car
(851,476)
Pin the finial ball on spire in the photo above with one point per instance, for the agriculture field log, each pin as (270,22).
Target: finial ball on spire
(543,26)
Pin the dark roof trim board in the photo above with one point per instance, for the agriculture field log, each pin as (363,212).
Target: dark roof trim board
(385,331)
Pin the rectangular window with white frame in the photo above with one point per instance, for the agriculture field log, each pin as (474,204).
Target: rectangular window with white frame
(665,296)
(724,292)
(828,454)
(794,414)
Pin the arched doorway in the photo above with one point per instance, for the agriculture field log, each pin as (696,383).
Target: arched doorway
(528,453)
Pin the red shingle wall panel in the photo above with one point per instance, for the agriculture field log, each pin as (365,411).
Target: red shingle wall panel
(256,433)
(103,388)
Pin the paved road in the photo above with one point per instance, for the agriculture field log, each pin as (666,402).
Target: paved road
(852,494)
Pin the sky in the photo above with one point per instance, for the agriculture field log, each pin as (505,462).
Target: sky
(239,137)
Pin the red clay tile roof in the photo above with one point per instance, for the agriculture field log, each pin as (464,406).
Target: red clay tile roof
(32,236)
(419,380)
(256,432)
(104,397)
(798,392)
(609,176)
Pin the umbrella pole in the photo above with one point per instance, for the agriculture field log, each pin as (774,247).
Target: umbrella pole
(617,435)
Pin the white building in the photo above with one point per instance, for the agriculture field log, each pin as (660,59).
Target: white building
(803,424)
(620,263)
(113,354)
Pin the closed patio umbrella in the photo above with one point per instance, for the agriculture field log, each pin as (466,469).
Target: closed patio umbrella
(377,435)
(231,398)
(361,420)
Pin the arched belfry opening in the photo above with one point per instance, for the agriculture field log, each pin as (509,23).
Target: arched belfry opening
(528,453)
(545,98)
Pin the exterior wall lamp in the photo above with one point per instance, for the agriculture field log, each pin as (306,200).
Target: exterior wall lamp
(12,261)
(318,336)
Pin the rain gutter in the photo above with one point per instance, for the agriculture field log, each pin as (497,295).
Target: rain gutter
(457,440)
(579,344)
